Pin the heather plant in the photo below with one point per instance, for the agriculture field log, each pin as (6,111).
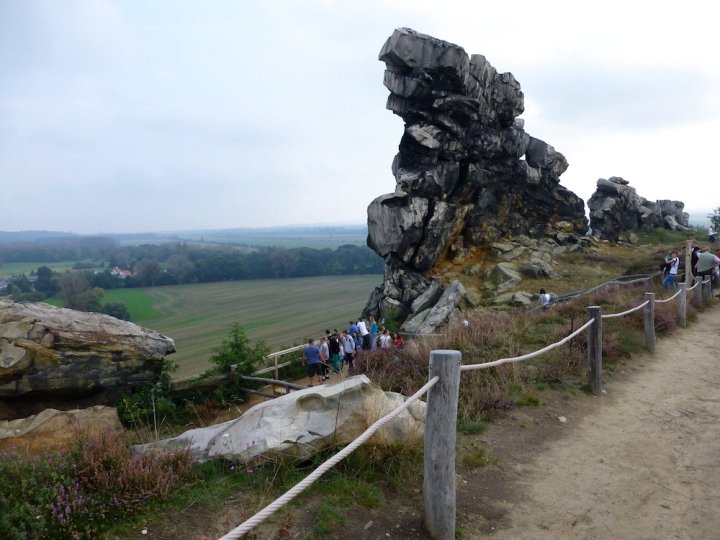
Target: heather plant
(97,483)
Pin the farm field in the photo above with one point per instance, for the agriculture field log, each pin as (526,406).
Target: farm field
(9,269)
(280,312)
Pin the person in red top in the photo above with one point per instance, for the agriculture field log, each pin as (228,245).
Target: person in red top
(397,341)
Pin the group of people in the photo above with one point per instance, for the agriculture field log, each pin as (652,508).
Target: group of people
(703,263)
(337,349)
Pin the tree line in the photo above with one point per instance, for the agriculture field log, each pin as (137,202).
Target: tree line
(168,264)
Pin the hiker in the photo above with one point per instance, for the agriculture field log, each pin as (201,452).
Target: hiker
(311,358)
(397,341)
(335,348)
(349,349)
(324,356)
(707,262)
(373,331)
(545,299)
(364,335)
(385,340)
(672,269)
(711,234)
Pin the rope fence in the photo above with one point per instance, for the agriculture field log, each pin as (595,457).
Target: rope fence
(301,486)
(495,363)
(636,308)
(442,404)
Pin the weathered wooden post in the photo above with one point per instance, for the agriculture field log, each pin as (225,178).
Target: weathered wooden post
(707,290)
(649,320)
(682,304)
(440,434)
(594,347)
(697,292)
(688,263)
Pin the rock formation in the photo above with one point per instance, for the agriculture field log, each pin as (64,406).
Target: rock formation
(55,430)
(302,423)
(467,175)
(60,358)
(616,208)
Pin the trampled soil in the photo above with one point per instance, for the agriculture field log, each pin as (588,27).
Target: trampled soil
(640,462)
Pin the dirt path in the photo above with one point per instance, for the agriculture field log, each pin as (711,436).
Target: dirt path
(642,462)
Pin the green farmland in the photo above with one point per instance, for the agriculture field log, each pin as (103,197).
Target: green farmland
(281,312)
(9,269)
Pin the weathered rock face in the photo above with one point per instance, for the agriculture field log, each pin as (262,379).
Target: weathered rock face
(615,208)
(467,174)
(55,430)
(302,423)
(60,358)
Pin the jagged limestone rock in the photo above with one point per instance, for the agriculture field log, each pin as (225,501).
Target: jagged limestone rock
(467,174)
(303,423)
(61,358)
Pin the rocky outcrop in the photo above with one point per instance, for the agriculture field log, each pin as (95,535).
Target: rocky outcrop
(55,430)
(303,423)
(60,358)
(467,174)
(616,208)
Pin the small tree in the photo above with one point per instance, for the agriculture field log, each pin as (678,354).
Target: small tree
(236,350)
(715,218)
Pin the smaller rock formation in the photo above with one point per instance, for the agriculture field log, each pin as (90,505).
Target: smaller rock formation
(616,208)
(60,358)
(55,430)
(302,423)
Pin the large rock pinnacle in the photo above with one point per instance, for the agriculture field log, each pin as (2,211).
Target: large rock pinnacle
(467,174)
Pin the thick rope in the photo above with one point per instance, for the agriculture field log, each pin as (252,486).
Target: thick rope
(289,495)
(668,299)
(613,315)
(494,363)
(696,284)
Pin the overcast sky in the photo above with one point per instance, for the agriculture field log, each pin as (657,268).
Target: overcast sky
(129,116)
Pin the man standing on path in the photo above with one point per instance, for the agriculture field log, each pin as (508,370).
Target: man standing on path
(311,356)
(364,335)
(707,262)
(349,349)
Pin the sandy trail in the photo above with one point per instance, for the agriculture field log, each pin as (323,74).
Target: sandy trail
(643,462)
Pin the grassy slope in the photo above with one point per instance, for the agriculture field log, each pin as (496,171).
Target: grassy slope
(279,312)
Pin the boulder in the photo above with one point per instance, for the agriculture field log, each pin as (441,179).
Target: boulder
(61,358)
(303,423)
(447,306)
(467,174)
(52,429)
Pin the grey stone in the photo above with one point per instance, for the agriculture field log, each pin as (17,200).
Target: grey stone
(303,423)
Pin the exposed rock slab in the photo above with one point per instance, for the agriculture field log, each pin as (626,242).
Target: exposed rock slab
(60,358)
(302,423)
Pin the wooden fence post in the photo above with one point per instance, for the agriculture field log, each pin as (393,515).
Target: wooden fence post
(707,290)
(440,434)
(682,304)
(594,347)
(649,319)
(688,264)
(697,293)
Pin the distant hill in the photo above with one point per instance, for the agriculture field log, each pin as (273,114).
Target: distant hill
(315,236)
(32,236)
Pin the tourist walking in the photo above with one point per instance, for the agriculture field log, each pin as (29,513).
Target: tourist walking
(311,359)
(335,348)
(364,335)
(673,263)
(545,299)
(711,234)
(349,349)
(324,355)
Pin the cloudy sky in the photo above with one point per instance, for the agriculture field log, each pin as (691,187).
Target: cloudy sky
(135,115)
